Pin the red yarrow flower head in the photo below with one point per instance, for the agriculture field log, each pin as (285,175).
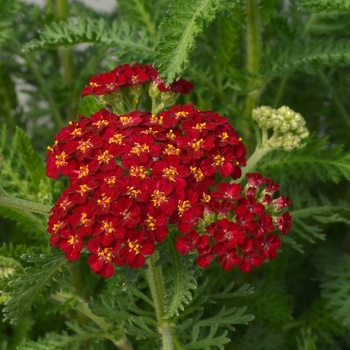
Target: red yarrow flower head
(134,175)
(128,76)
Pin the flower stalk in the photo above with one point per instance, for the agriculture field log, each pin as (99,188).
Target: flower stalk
(22,204)
(155,282)
(253,51)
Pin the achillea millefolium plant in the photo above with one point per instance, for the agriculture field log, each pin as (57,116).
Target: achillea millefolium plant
(207,213)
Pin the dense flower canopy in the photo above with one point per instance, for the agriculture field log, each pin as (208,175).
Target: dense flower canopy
(134,177)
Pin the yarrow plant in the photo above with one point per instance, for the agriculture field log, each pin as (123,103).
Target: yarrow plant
(134,177)
(167,213)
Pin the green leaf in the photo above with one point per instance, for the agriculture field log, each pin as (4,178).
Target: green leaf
(336,289)
(308,55)
(320,320)
(315,160)
(26,220)
(45,278)
(227,317)
(182,281)
(307,211)
(210,342)
(54,341)
(8,97)
(270,303)
(325,5)
(8,10)
(88,105)
(30,158)
(141,13)
(244,290)
(258,337)
(185,21)
(307,340)
(85,30)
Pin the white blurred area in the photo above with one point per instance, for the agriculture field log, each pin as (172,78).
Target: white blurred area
(99,5)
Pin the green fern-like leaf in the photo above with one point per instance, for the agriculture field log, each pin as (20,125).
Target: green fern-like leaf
(306,56)
(315,160)
(185,21)
(54,341)
(88,105)
(320,320)
(30,158)
(8,97)
(139,12)
(26,287)
(336,289)
(325,5)
(323,214)
(227,317)
(258,337)
(210,342)
(67,33)
(270,303)
(182,281)
(26,220)
(8,10)
(307,341)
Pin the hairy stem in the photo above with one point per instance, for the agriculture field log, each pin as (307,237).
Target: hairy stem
(253,51)
(155,281)
(41,82)
(67,61)
(23,204)
(254,159)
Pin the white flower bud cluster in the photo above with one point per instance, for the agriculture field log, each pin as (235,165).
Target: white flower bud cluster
(288,126)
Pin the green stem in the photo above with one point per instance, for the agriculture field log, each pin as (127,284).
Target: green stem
(67,61)
(22,204)
(280,91)
(254,159)
(155,281)
(334,94)
(42,84)
(253,51)
(121,342)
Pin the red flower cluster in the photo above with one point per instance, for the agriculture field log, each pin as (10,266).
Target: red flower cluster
(126,75)
(132,175)
(242,231)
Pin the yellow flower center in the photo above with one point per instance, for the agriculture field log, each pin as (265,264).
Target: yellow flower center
(170,173)
(134,246)
(183,206)
(61,159)
(138,171)
(218,160)
(138,149)
(105,254)
(158,198)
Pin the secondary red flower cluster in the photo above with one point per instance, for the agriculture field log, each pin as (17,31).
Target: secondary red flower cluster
(133,176)
(243,232)
(126,75)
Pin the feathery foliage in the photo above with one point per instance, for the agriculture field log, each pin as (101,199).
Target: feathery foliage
(30,158)
(325,5)
(305,56)
(258,337)
(185,21)
(44,279)
(180,281)
(67,33)
(335,291)
(315,160)
(8,10)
